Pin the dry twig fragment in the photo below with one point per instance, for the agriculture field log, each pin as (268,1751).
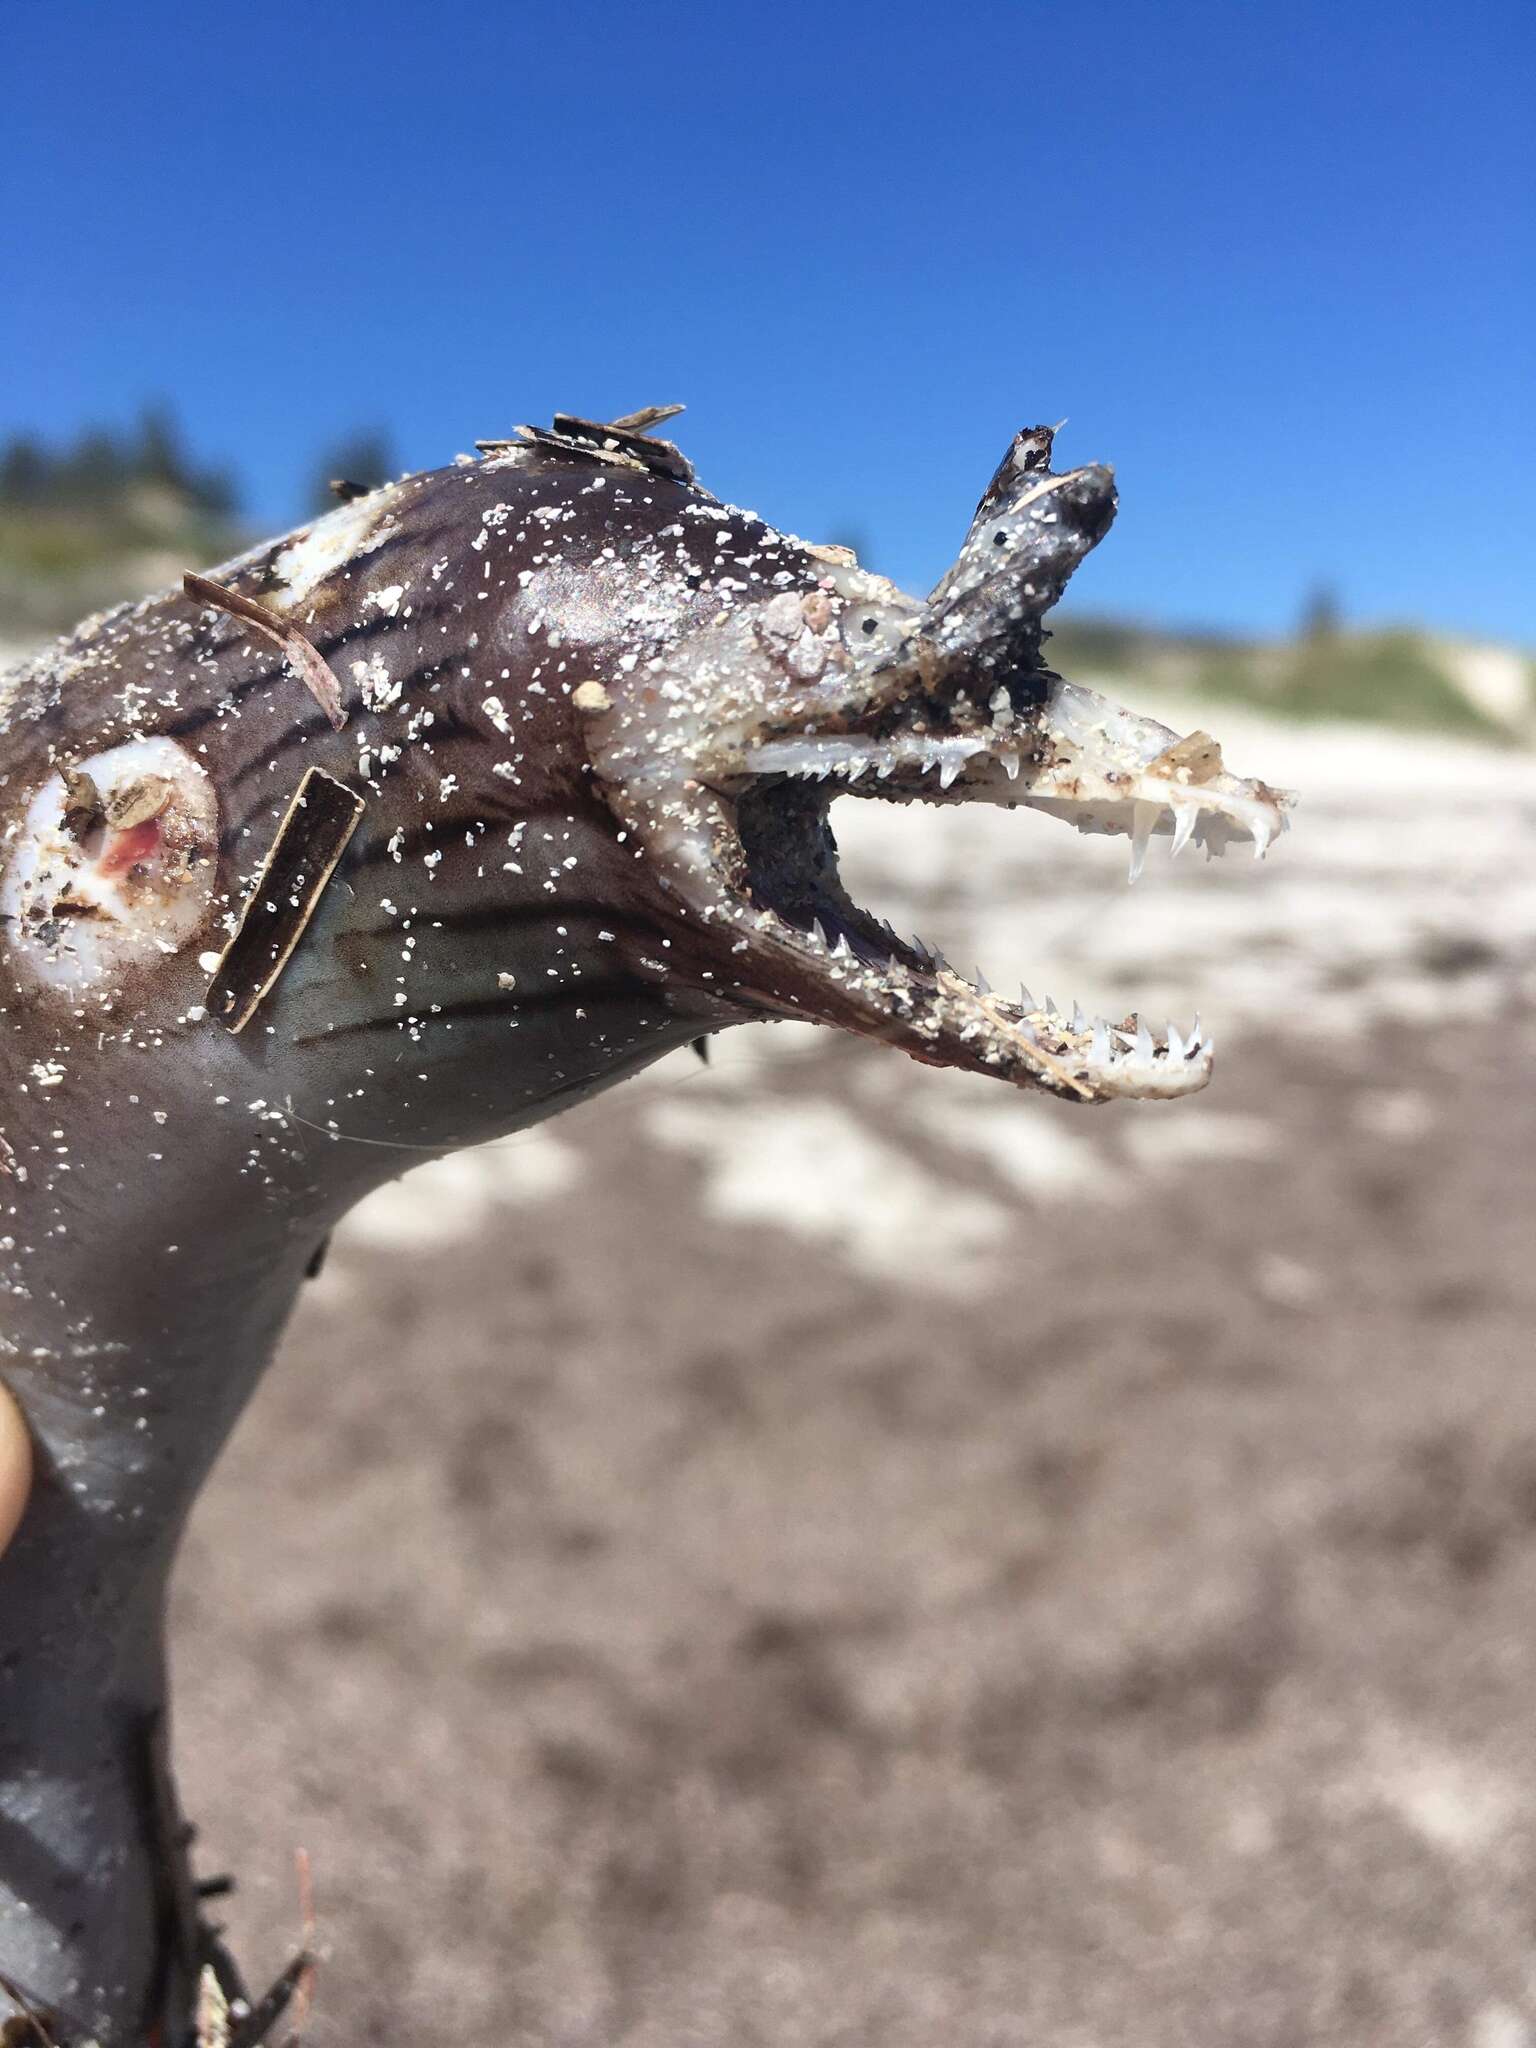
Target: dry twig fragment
(212,2010)
(313,670)
(648,416)
(264,2015)
(25,2025)
(82,802)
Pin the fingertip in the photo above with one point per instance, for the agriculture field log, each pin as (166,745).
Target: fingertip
(15,1464)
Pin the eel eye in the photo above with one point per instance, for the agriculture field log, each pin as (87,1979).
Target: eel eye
(864,629)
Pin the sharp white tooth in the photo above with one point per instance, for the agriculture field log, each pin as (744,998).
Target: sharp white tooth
(1143,817)
(857,766)
(948,772)
(1079,1021)
(1144,1048)
(1010,766)
(1175,1043)
(982,983)
(1102,1050)
(1049,1007)
(1186,817)
(1026,1000)
(1194,1036)
(817,933)
(842,950)
(1263,832)
(940,961)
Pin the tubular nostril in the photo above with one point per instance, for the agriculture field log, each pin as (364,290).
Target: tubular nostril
(1031,450)
(1093,498)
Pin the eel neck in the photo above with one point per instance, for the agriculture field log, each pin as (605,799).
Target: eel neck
(131,1368)
(132,1365)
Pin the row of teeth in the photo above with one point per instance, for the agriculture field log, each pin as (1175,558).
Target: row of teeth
(1109,1045)
(1146,814)
(1118,1045)
(850,759)
(815,760)
(1112,1045)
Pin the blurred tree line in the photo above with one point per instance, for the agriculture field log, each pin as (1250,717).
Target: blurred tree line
(101,471)
(114,511)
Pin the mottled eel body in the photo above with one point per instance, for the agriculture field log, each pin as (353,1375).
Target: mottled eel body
(587,723)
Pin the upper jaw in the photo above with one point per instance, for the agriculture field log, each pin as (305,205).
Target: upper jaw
(1075,755)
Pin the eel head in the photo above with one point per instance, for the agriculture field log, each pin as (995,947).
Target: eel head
(725,753)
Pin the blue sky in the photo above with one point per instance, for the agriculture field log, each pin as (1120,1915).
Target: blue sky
(1273,261)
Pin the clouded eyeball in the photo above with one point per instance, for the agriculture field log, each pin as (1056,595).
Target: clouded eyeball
(15,1465)
(872,630)
(113,865)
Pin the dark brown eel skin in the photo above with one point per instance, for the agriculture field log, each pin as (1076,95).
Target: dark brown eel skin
(591,721)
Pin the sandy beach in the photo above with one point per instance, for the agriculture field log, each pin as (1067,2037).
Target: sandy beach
(810,1550)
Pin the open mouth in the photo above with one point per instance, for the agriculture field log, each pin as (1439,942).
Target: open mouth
(1081,760)
(871,694)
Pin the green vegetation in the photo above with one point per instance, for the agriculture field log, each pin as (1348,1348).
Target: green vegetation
(115,483)
(1087,646)
(1399,678)
(113,514)
(1388,678)
(101,519)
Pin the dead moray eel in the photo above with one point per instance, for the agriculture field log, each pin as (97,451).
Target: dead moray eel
(477,795)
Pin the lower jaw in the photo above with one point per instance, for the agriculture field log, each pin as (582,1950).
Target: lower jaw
(846,967)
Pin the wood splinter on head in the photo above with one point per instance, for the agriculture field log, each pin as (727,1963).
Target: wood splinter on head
(313,670)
